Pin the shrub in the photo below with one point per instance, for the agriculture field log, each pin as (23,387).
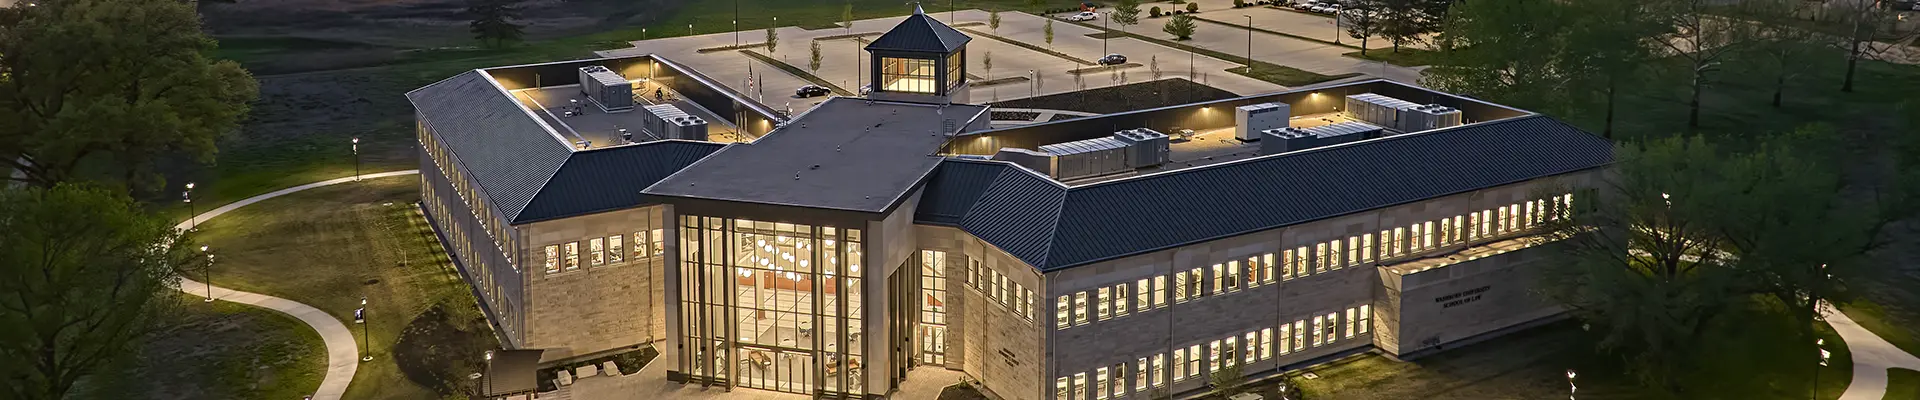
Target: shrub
(1193,7)
(1153,12)
(1239,3)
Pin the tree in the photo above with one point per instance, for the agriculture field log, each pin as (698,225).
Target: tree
(986,61)
(1607,43)
(1154,12)
(1126,14)
(1497,50)
(1181,27)
(773,40)
(1193,7)
(143,87)
(1365,19)
(85,276)
(1702,40)
(1872,33)
(993,21)
(1780,48)
(1048,31)
(492,23)
(1227,381)
(846,16)
(813,61)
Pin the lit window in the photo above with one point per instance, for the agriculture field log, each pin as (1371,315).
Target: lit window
(1159,291)
(973,274)
(1105,304)
(1427,241)
(1333,321)
(1120,300)
(1193,282)
(1350,321)
(615,252)
(1233,276)
(907,75)
(1159,370)
(1399,241)
(1061,390)
(1320,258)
(1353,250)
(1080,385)
(1333,254)
(553,259)
(1193,360)
(1180,287)
(1063,312)
(1179,365)
(1213,356)
(1267,276)
(1266,343)
(597,251)
(1143,289)
(1252,346)
(1301,263)
(1227,350)
(1366,248)
(573,255)
(1319,323)
(1217,275)
(1100,383)
(1284,339)
(1026,304)
(1286,272)
(1080,310)
(1140,375)
(1366,317)
(1119,380)
(1253,271)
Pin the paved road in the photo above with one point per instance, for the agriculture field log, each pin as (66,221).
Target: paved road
(343,355)
(1872,356)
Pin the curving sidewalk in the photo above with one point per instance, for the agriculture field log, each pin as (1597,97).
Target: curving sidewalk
(1872,356)
(343,356)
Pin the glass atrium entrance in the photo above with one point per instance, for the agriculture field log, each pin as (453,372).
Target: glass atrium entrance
(771,306)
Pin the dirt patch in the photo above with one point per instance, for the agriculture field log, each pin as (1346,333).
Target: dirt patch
(441,354)
(1128,97)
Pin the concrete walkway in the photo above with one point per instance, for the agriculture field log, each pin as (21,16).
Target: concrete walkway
(1872,356)
(343,356)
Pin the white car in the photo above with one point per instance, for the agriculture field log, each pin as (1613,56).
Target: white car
(1083,16)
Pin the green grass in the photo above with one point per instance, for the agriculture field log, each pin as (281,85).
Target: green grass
(1744,361)
(330,246)
(1903,384)
(235,352)
(1876,318)
(1405,57)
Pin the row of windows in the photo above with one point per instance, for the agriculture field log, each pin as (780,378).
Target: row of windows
(458,236)
(1190,361)
(1001,288)
(464,190)
(1081,308)
(610,250)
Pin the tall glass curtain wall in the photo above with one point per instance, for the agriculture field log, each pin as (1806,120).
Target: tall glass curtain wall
(771,305)
(933,307)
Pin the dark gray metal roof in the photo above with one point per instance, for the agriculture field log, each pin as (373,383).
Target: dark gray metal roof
(1054,228)
(844,154)
(920,33)
(611,178)
(960,184)
(502,147)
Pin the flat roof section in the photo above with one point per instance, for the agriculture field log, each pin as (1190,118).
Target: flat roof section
(844,154)
(602,128)
(1209,147)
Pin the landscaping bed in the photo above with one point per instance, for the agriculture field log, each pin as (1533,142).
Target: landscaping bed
(1405,57)
(629,362)
(1128,97)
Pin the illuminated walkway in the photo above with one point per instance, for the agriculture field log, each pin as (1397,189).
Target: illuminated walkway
(343,357)
(1872,356)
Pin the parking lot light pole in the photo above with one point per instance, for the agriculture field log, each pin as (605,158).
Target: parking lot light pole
(1249,42)
(360,317)
(1103,38)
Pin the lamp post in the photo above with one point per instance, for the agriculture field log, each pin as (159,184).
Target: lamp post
(193,219)
(360,317)
(209,273)
(1570,387)
(1103,38)
(356,158)
(1824,354)
(643,33)
(1033,79)
(1249,42)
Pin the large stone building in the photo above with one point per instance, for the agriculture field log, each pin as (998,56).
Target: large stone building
(829,253)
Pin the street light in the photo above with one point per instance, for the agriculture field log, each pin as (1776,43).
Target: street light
(1033,81)
(1824,354)
(643,33)
(193,219)
(209,272)
(1249,43)
(1570,387)
(356,158)
(1103,38)
(360,317)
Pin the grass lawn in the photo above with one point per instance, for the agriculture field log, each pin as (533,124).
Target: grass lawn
(1903,384)
(330,246)
(1532,365)
(1405,57)
(232,351)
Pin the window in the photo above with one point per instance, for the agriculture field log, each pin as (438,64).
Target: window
(639,245)
(1080,310)
(1193,360)
(1319,323)
(1144,290)
(1120,300)
(1415,246)
(1366,317)
(1140,375)
(1353,250)
(1399,241)
(1062,312)
(1284,329)
(1000,288)
(1159,291)
(1193,282)
(615,252)
(1300,265)
(1217,275)
(1119,380)
(1320,258)
(973,274)
(1426,242)
(657,243)
(1100,383)
(1333,322)
(1026,302)
(1227,357)
(956,70)
(553,259)
(1158,370)
(597,251)
(1179,365)
(1105,304)
(573,255)
(1266,343)
(1251,346)
(1286,271)
(1080,386)
(1350,320)
(1180,287)
(1366,248)
(1060,389)
(1213,356)
(1266,274)
(1233,276)
(1333,254)
(907,75)
(1501,227)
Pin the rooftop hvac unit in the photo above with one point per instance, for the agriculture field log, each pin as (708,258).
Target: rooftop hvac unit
(1037,161)
(609,90)
(1376,109)
(666,121)
(1294,139)
(1148,148)
(1250,119)
(1428,117)
(1088,158)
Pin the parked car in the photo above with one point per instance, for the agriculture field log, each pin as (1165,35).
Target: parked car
(1083,16)
(1113,59)
(811,91)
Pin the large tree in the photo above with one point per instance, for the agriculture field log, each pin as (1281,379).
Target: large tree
(1607,44)
(1872,32)
(1181,27)
(1505,52)
(1780,48)
(100,89)
(1126,14)
(1702,40)
(492,21)
(1364,19)
(84,277)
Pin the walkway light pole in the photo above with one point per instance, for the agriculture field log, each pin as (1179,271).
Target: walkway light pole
(209,272)
(643,33)
(1249,43)
(360,317)
(356,158)
(1570,387)
(193,219)
(1104,35)
(1824,354)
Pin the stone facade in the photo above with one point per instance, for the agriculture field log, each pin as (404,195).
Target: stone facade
(593,309)
(992,343)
